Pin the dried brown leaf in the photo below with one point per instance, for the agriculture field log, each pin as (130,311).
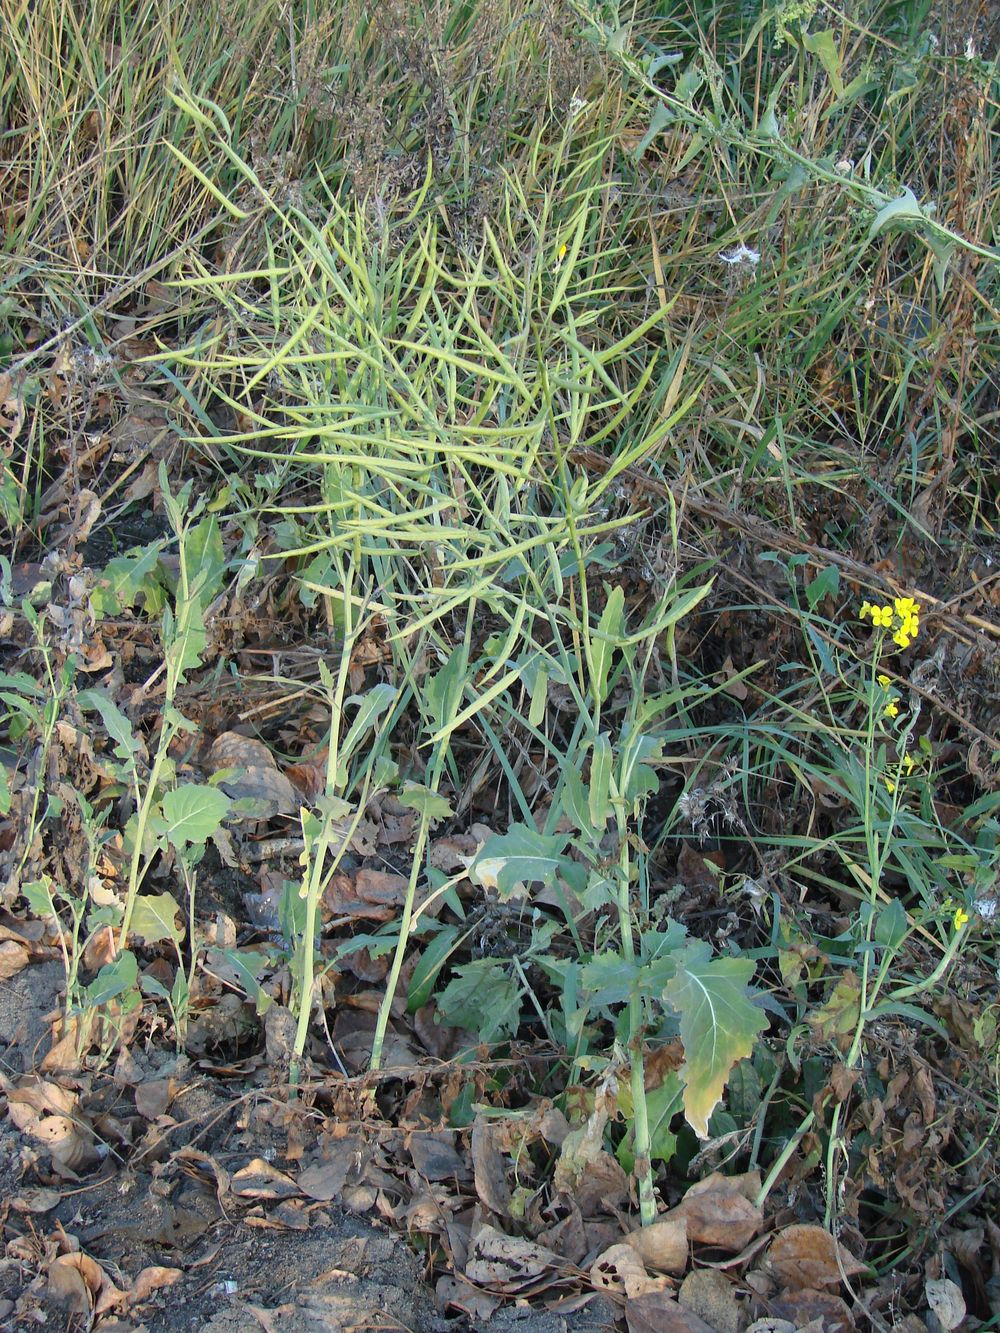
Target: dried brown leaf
(946,1301)
(260,1180)
(719,1214)
(454,1293)
(662,1245)
(374,895)
(152,1279)
(435,1157)
(568,1237)
(805,1256)
(13,957)
(36,1200)
(585,1171)
(490,1167)
(712,1297)
(507,1263)
(620,1270)
(658,1312)
(809,1306)
(153,1098)
(256,776)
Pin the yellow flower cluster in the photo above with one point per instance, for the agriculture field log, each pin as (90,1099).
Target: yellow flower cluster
(906,766)
(891,707)
(902,616)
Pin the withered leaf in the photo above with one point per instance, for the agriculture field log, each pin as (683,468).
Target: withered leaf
(490,1167)
(455,1293)
(435,1157)
(260,1180)
(718,1213)
(946,1300)
(372,894)
(619,1269)
(658,1312)
(507,1263)
(35,1201)
(837,1017)
(805,1256)
(586,1171)
(325,1180)
(662,1245)
(153,1098)
(256,775)
(152,1279)
(809,1306)
(712,1297)
(13,957)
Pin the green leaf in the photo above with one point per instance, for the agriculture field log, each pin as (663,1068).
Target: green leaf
(899,1009)
(892,925)
(689,83)
(112,980)
(824,45)
(426,802)
(371,706)
(443,692)
(539,694)
(116,724)
(204,559)
(574,800)
(513,860)
(154,918)
(608,979)
(192,813)
(38,895)
(483,997)
(660,119)
(21,683)
(942,250)
(744,1092)
(125,578)
(718,1021)
(428,967)
(607,638)
(662,1104)
(248,964)
(904,209)
(601,762)
(152,986)
(826,583)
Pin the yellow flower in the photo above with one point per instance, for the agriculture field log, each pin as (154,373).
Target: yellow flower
(961,918)
(909,763)
(892,709)
(890,786)
(901,616)
(884,681)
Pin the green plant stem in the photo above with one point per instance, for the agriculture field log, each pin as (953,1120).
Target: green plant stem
(392,981)
(315,878)
(779,1163)
(640,1113)
(144,809)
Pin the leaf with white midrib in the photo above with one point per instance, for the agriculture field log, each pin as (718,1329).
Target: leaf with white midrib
(719,1024)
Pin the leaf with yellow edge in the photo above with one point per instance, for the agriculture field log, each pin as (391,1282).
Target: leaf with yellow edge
(719,1024)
